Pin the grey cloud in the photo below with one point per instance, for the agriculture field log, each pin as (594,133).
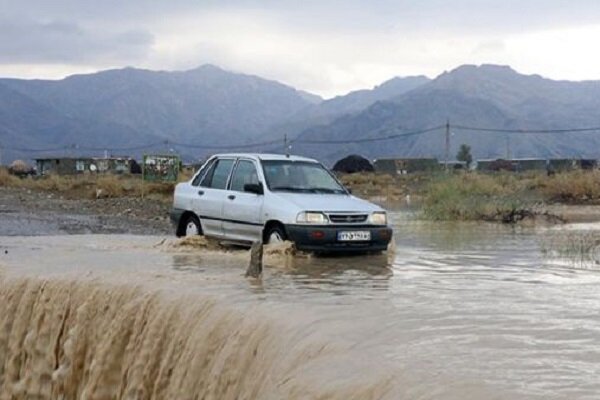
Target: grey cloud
(68,42)
(338,41)
(488,47)
(443,15)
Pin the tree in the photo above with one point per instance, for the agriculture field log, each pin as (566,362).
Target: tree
(464,154)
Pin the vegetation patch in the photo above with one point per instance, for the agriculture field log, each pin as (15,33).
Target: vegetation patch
(576,187)
(578,247)
(471,196)
(91,186)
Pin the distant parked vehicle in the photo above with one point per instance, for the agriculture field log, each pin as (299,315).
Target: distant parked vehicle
(246,198)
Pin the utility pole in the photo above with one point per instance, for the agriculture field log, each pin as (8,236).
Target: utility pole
(447,143)
(0,154)
(286,147)
(508,155)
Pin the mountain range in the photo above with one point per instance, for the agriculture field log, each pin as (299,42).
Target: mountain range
(205,110)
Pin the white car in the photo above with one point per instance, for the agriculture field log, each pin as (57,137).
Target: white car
(246,198)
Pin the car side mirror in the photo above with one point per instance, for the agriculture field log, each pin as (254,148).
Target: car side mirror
(255,188)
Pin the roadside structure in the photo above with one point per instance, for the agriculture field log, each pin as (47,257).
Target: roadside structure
(401,166)
(352,164)
(82,165)
(454,165)
(535,164)
(160,167)
(530,164)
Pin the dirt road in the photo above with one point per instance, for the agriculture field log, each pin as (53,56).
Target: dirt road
(28,212)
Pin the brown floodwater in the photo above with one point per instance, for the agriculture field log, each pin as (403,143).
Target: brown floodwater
(456,311)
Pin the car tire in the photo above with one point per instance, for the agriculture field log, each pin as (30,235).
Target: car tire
(275,234)
(191,226)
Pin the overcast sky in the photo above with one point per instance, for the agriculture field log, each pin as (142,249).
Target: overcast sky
(326,47)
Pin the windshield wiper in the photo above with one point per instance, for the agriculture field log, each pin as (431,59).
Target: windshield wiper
(326,190)
(290,188)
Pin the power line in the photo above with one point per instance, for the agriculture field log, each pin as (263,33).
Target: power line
(226,147)
(540,131)
(24,150)
(447,146)
(366,140)
(298,140)
(132,148)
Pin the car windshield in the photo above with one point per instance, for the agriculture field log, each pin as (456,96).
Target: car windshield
(300,176)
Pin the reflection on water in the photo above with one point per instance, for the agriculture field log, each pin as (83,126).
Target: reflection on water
(333,275)
(356,276)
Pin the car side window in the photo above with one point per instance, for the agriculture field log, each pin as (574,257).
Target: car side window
(205,182)
(202,173)
(244,173)
(217,177)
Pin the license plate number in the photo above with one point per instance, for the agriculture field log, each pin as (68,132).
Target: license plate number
(354,236)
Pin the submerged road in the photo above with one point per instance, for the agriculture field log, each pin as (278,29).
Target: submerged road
(458,311)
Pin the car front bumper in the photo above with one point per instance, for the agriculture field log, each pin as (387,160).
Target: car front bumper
(325,238)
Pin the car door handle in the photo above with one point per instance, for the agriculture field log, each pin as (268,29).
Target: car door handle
(231,197)
(200,192)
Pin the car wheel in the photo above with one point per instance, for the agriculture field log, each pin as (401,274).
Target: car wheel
(275,234)
(192,226)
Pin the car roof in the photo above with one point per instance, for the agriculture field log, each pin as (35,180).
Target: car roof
(266,156)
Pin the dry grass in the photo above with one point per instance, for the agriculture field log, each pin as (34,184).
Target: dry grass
(576,187)
(112,186)
(445,196)
(373,185)
(7,179)
(91,186)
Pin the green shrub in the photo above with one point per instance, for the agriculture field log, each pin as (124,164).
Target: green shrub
(473,197)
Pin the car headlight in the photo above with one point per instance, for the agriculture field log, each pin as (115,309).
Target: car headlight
(311,217)
(378,218)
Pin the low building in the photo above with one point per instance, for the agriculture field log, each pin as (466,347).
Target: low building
(562,164)
(536,164)
(82,165)
(401,166)
(530,164)
(117,165)
(495,165)
(454,165)
(588,163)
(63,165)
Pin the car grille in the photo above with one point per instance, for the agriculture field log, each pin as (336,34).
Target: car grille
(347,218)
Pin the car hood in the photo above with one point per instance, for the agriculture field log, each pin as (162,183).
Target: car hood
(328,202)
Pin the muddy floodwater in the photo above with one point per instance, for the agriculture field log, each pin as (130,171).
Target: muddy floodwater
(455,311)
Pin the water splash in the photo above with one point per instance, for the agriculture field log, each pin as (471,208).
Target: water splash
(78,340)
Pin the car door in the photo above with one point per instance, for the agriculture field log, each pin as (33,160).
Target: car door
(187,195)
(242,210)
(211,195)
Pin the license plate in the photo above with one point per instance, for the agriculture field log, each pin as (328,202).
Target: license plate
(354,236)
